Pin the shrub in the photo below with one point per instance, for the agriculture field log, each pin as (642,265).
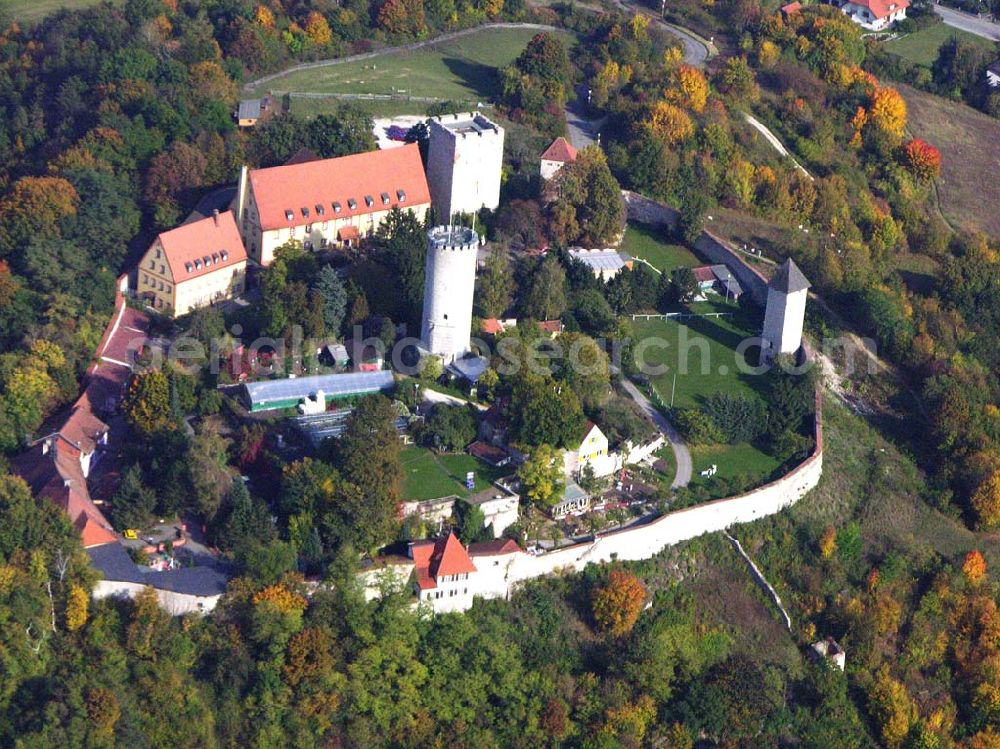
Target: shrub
(738,418)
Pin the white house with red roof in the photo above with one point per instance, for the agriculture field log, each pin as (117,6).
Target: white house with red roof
(444,574)
(193,266)
(875,15)
(329,202)
(559,153)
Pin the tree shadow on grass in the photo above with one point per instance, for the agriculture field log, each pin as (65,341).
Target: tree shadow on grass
(482,80)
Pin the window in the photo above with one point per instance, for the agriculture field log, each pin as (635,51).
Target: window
(305,212)
(289,214)
(320,210)
(168,288)
(291,232)
(352,203)
(336,207)
(308,245)
(309,228)
(162,269)
(322,242)
(145,278)
(385,198)
(152,265)
(401,195)
(369,201)
(157,252)
(224,254)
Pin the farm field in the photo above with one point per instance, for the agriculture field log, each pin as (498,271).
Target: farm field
(968,189)
(463,69)
(429,475)
(649,243)
(921,47)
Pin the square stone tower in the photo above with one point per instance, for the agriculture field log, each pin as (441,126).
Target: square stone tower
(464,159)
(785,313)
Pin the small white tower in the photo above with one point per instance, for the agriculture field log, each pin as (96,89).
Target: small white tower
(449,281)
(464,161)
(785,312)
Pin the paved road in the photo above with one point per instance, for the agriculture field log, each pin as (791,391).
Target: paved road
(978,26)
(774,141)
(581,130)
(682,456)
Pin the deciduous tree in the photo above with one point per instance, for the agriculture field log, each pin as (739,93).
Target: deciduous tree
(541,476)
(617,604)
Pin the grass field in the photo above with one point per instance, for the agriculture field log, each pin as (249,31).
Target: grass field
(742,459)
(463,68)
(23,10)
(379,108)
(970,160)
(429,475)
(646,242)
(922,46)
(701,350)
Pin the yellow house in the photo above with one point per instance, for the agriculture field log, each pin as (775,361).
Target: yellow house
(593,452)
(193,266)
(328,203)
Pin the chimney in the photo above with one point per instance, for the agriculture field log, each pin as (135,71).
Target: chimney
(215,216)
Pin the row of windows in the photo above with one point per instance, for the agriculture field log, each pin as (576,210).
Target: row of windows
(152,264)
(153,283)
(451,593)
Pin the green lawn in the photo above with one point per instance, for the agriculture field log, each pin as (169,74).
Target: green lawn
(649,243)
(25,10)
(707,362)
(922,46)
(463,68)
(379,108)
(742,459)
(429,475)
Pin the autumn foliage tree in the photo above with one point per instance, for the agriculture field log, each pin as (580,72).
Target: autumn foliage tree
(690,88)
(887,112)
(670,123)
(974,567)
(35,205)
(986,501)
(921,159)
(617,604)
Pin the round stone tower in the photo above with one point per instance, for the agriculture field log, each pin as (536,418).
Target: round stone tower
(449,282)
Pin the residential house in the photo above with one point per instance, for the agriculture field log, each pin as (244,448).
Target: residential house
(593,452)
(490,454)
(604,264)
(251,111)
(875,15)
(719,279)
(559,153)
(193,266)
(328,203)
(444,574)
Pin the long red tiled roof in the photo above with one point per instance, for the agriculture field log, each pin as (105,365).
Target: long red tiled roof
(559,150)
(202,247)
(387,179)
(882,8)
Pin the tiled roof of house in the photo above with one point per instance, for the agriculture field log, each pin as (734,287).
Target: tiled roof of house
(703,274)
(791,8)
(434,559)
(202,247)
(363,183)
(551,326)
(882,8)
(490,453)
(560,150)
(492,326)
(494,548)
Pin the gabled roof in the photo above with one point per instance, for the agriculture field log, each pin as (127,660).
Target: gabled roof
(434,559)
(202,247)
(882,8)
(588,428)
(703,274)
(494,548)
(791,8)
(249,109)
(492,326)
(789,278)
(551,326)
(560,150)
(300,194)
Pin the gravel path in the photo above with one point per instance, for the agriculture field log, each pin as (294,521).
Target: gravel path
(682,455)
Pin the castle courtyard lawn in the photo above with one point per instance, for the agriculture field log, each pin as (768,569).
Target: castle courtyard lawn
(428,475)
(741,459)
(464,69)
(650,243)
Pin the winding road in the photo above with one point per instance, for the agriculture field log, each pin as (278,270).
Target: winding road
(682,456)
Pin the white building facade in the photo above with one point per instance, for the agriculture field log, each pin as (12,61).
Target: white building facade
(464,163)
(449,283)
(875,15)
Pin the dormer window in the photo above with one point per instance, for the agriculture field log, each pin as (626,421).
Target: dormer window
(369,201)
(305,212)
(401,195)
(188,267)
(225,255)
(289,214)
(320,210)
(336,207)
(215,258)
(207,260)
(385,198)
(197,264)
(352,203)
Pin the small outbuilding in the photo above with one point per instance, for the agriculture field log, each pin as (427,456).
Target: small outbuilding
(559,153)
